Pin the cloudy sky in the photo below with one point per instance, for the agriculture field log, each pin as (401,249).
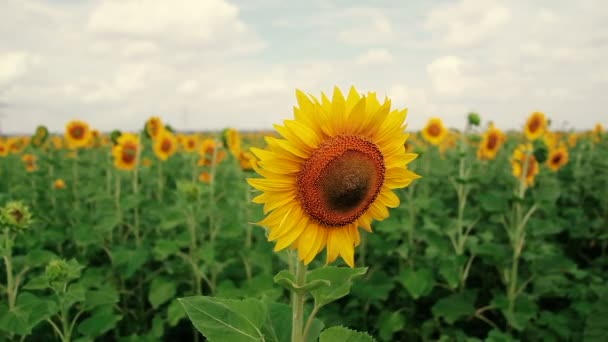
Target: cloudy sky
(209,64)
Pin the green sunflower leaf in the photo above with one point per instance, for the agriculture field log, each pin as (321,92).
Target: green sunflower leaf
(288,281)
(344,335)
(340,282)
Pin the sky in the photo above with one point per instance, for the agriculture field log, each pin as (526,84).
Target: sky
(211,64)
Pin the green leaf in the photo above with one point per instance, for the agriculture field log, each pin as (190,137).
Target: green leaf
(342,334)
(390,323)
(40,282)
(596,328)
(277,327)
(225,319)
(175,313)
(106,296)
(455,306)
(99,323)
(39,257)
(165,248)
(340,282)
(418,283)
(161,290)
(288,281)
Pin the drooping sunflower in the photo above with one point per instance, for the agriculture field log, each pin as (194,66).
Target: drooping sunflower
(40,136)
(518,162)
(535,126)
(30,162)
(232,140)
(126,152)
(154,126)
(78,134)
(434,132)
(165,145)
(332,171)
(558,157)
(490,144)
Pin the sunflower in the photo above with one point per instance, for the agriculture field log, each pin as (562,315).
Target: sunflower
(78,134)
(57,142)
(247,160)
(146,162)
(3,148)
(232,141)
(518,162)
(598,130)
(209,147)
(59,184)
(490,144)
(434,132)
(154,126)
(126,152)
(333,171)
(205,177)
(190,142)
(165,145)
(535,126)
(572,140)
(30,162)
(15,145)
(558,157)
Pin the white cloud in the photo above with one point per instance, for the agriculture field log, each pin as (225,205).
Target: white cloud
(375,56)
(128,79)
(449,77)
(467,22)
(14,65)
(188,87)
(370,26)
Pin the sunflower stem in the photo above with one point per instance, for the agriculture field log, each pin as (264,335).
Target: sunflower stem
(298,299)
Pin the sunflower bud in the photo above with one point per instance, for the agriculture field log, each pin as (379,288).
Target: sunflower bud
(114,136)
(16,215)
(474,119)
(189,190)
(540,152)
(59,272)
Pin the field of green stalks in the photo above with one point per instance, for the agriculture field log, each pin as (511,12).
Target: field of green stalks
(96,251)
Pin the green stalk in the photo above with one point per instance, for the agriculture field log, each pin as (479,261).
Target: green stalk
(212,228)
(297,318)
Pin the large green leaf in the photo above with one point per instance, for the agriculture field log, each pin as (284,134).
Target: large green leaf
(342,334)
(161,290)
(455,306)
(288,281)
(225,319)
(340,282)
(418,283)
(278,324)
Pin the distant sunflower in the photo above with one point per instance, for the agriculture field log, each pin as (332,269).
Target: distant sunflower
(3,148)
(204,177)
(332,172)
(59,184)
(146,162)
(518,162)
(434,132)
(598,130)
(15,145)
(208,148)
(490,144)
(572,140)
(535,126)
(247,160)
(165,145)
(154,126)
(232,140)
(30,162)
(78,134)
(190,142)
(126,151)
(558,157)
(57,142)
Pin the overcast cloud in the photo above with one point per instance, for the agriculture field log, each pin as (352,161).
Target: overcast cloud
(209,64)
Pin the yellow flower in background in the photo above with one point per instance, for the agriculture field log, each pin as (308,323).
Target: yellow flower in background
(57,141)
(15,145)
(126,151)
(154,126)
(209,147)
(190,142)
(232,140)
(77,134)
(535,126)
(598,130)
(30,162)
(572,139)
(59,184)
(550,139)
(490,144)
(558,157)
(146,162)
(332,172)
(204,177)
(247,160)
(3,148)
(518,162)
(434,132)
(165,145)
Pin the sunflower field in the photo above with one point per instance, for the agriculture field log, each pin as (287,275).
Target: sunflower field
(340,225)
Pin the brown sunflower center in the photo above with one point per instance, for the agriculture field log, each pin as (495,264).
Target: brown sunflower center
(166,146)
(77,132)
(434,130)
(534,124)
(556,159)
(341,179)
(492,142)
(531,166)
(17,215)
(129,153)
(191,144)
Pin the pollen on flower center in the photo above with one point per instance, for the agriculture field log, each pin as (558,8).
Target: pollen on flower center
(341,179)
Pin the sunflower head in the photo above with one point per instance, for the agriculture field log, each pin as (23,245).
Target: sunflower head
(190,143)
(165,145)
(154,126)
(15,145)
(78,134)
(126,152)
(247,160)
(598,130)
(535,126)
(490,144)
(204,177)
(16,216)
(58,142)
(332,172)
(523,158)
(232,140)
(434,132)
(59,184)
(40,136)
(558,157)
(208,149)
(572,139)
(29,160)
(3,148)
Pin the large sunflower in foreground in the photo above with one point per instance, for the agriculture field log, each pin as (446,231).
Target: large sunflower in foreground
(332,172)
(434,132)
(77,134)
(535,126)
